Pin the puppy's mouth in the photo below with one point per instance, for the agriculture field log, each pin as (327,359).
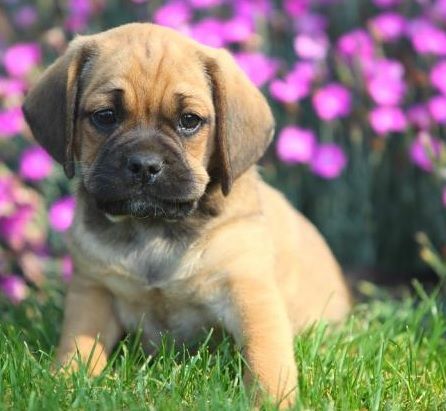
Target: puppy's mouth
(155,208)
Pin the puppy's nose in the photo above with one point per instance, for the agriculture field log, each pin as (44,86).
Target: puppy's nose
(145,166)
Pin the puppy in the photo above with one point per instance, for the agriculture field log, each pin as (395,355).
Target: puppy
(174,229)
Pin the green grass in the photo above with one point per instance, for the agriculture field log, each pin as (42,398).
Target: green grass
(389,355)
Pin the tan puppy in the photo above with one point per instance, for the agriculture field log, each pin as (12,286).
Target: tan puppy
(174,229)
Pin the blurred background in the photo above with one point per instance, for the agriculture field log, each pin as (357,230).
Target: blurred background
(358,89)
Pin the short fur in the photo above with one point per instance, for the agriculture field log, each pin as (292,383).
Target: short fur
(208,244)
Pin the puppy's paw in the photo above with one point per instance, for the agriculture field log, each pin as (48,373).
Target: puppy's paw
(66,365)
(73,362)
(262,399)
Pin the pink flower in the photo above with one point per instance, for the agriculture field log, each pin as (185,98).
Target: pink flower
(387,119)
(204,4)
(21,58)
(296,8)
(6,195)
(438,76)
(312,47)
(11,122)
(332,101)
(13,227)
(80,7)
(172,14)
(385,91)
(76,23)
(328,161)
(257,66)
(304,71)
(62,213)
(437,108)
(26,16)
(289,90)
(427,38)
(311,23)
(296,145)
(392,69)
(10,87)
(252,9)
(209,31)
(388,26)
(238,29)
(385,82)
(386,3)
(356,44)
(424,149)
(80,12)
(67,268)
(35,164)
(439,9)
(296,85)
(418,115)
(14,288)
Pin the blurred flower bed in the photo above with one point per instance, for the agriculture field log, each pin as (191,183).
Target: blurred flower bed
(359,93)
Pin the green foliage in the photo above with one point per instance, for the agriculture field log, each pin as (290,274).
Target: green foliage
(389,355)
(371,212)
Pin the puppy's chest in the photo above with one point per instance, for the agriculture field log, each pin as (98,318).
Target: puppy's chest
(157,283)
(135,261)
(167,311)
(153,260)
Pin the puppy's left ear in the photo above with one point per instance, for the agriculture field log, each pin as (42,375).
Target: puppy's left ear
(244,122)
(50,107)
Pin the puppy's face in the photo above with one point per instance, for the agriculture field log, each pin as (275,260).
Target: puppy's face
(145,125)
(150,118)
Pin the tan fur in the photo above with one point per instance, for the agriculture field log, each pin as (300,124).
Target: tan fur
(258,268)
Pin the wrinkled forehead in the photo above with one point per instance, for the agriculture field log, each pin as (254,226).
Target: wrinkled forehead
(148,65)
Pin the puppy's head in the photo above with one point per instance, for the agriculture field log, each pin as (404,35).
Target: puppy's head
(148,118)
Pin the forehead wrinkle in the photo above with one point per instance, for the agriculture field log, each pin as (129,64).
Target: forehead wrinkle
(184,95)
(139,78)
(110,86)
(191,102)
(109,89)
(135,96)
(147,73)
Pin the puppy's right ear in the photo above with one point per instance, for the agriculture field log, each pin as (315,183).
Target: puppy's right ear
(244,121)
(50,107)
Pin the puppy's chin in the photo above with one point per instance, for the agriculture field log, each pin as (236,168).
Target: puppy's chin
(155,209)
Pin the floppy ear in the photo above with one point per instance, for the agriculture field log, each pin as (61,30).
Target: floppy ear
(244,122)
(50,107)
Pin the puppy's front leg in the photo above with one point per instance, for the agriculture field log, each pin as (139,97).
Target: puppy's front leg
(90,328)
(267,336)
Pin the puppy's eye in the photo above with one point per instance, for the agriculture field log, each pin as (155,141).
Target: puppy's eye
(104,119)
(189,123)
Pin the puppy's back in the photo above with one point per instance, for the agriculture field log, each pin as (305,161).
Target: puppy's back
(307,272)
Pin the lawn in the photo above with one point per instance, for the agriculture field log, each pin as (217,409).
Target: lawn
(389,355)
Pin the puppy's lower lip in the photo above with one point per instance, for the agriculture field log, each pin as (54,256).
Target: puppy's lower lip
(152,207)
(174,201)
(116,218)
